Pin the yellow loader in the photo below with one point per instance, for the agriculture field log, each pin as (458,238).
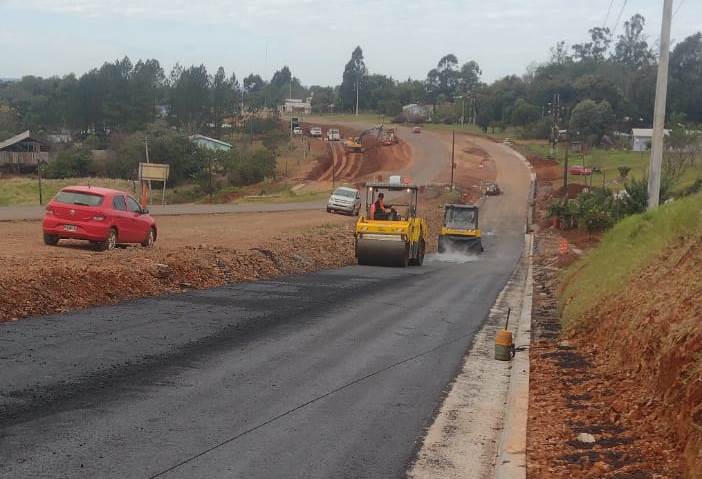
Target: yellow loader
(460,232)
(396,237)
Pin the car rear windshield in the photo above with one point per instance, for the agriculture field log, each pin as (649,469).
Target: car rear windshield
(346,193)
(77,198)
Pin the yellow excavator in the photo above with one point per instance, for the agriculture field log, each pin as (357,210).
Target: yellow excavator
(354,144)
(460,232)
(396,236)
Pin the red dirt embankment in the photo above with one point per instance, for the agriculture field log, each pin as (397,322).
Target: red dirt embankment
(662,349)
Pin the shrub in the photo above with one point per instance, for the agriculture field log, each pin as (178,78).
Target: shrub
(72,163)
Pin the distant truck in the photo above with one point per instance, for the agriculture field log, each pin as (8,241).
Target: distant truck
(333,134)
(295,122)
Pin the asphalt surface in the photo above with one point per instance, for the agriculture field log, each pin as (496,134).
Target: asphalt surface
(14,213)
(332,374)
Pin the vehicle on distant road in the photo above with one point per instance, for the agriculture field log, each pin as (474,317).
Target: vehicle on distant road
(416,130)
(102,216)
(344,200)
(333,134)
(316,132)
(579,170)
(297,131)
(490,188)
(295,122)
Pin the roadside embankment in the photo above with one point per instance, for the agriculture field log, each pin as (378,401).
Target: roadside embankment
(616,386)
(638,296)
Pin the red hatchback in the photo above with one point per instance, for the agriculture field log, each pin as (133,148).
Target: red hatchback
(102,216)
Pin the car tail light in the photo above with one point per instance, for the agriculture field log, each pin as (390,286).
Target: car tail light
(49,210)
(98,218)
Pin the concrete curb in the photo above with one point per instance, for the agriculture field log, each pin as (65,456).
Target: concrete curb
(511,452)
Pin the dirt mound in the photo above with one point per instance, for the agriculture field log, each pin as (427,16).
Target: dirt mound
(545,169)
(56,285)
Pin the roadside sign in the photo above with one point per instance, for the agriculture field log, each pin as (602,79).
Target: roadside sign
(153,172)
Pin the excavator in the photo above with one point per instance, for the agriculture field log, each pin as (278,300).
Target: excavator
(354,144)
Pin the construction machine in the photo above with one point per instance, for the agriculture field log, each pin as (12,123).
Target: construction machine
(354,144)
(390,137)
(460,232)
(396,236)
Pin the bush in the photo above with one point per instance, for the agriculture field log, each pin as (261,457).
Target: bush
(623,171)
(72,163)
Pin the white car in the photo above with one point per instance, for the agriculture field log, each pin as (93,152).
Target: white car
(344,200)
(297,131)
(316,131)
(333,134)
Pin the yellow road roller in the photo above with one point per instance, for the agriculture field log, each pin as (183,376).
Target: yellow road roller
(390,233)
(460,233)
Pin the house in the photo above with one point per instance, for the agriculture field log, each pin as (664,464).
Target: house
(641,138)
(414,111)
(294,105)
(23,152)
(210,143)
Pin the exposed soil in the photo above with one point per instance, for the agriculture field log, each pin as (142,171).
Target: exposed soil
(192,252)
(197,251)
(576,388)
(642,407)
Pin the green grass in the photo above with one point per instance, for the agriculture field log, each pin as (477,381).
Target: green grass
(626,249)
(608,161)
(24,191)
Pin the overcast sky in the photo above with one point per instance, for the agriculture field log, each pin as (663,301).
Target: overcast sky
(401,38)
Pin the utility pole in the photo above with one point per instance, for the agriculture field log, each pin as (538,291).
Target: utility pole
(654,174)
(291,117)
(453,149)
(356,97)
(463,109)
(565,165)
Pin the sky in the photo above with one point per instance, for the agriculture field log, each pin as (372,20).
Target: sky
(315,38)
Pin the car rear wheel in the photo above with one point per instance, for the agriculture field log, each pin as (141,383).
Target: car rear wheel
(51,240)
(110,243)
(150,238)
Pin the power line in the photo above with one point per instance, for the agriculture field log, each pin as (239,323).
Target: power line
(682,2)
(609,10)
(621,12)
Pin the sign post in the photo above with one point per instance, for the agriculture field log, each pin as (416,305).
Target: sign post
(154,172)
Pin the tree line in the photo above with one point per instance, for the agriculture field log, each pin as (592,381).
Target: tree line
(600,84)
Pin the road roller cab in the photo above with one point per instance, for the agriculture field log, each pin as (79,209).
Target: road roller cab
(460,232)
(400,238)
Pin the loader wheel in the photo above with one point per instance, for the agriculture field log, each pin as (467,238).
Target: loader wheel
(404,261)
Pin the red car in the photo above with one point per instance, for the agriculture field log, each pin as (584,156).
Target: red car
(102,216)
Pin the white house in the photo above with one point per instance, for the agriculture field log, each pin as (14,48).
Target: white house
(641,138)
(417,112)
(295,105)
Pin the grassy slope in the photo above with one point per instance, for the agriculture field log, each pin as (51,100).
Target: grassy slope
(626,249)
(24,191)
(608,161)
(638,296)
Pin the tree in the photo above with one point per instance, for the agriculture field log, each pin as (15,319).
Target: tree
(443,81)
(190,96)
(591,119)
(524,113)
(632,49)
(223,98)
(254,88)
(598,46)
(685,74)
(354,77)
(322,98)
(559,54)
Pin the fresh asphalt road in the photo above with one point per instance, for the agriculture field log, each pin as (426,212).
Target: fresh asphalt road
(332,374)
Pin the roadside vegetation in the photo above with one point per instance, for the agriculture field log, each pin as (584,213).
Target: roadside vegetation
(637,297)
